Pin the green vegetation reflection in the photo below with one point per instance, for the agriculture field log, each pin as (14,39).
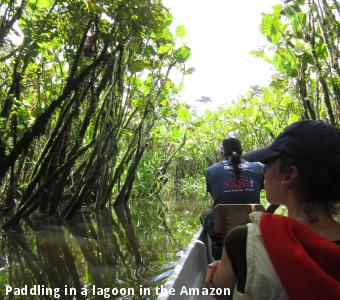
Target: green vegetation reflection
(117,249)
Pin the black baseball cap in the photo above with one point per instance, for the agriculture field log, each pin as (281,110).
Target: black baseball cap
(308,140)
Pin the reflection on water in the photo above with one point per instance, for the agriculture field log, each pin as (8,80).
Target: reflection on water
(104,255)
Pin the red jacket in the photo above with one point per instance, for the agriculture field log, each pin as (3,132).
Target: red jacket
(307,264)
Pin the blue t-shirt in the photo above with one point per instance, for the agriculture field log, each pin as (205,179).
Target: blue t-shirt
(226,189)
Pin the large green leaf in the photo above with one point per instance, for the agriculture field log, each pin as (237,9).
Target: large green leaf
(182,54)
(180,31)
(162,49)
(285,62)
(41,3)
(167,36)
(271,25)
(183,114)
(138,66)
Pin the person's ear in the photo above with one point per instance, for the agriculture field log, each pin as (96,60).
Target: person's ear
(291,175)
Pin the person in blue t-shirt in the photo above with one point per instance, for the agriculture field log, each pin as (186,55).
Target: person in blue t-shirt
(234,180)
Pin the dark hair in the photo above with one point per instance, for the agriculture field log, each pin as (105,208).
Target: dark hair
(232,149)
(320,181)
(235,160)
(230,145)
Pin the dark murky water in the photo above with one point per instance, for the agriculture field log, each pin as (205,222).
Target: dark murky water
(107,255)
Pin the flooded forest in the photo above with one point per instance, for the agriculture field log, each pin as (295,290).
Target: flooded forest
(101,166)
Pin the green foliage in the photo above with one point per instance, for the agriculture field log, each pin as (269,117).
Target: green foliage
(306,85)
(82,90)
(305,39)
(182,54)
(256,118)
(89,114)
(271,25)
(180,31)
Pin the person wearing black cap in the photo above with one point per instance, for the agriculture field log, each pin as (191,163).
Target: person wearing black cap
(298,256)
(234,180)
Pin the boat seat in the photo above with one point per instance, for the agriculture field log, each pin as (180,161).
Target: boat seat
(224,218)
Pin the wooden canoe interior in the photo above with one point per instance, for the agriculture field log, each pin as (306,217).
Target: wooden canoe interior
(191,269)
(225,218)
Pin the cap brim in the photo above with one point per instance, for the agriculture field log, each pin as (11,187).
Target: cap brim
(260,155)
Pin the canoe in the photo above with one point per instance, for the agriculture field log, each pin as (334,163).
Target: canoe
(187,279)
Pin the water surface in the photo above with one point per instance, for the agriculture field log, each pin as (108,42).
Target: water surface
(115,254)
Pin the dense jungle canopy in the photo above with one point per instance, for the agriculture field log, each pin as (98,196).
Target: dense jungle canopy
(90,118)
